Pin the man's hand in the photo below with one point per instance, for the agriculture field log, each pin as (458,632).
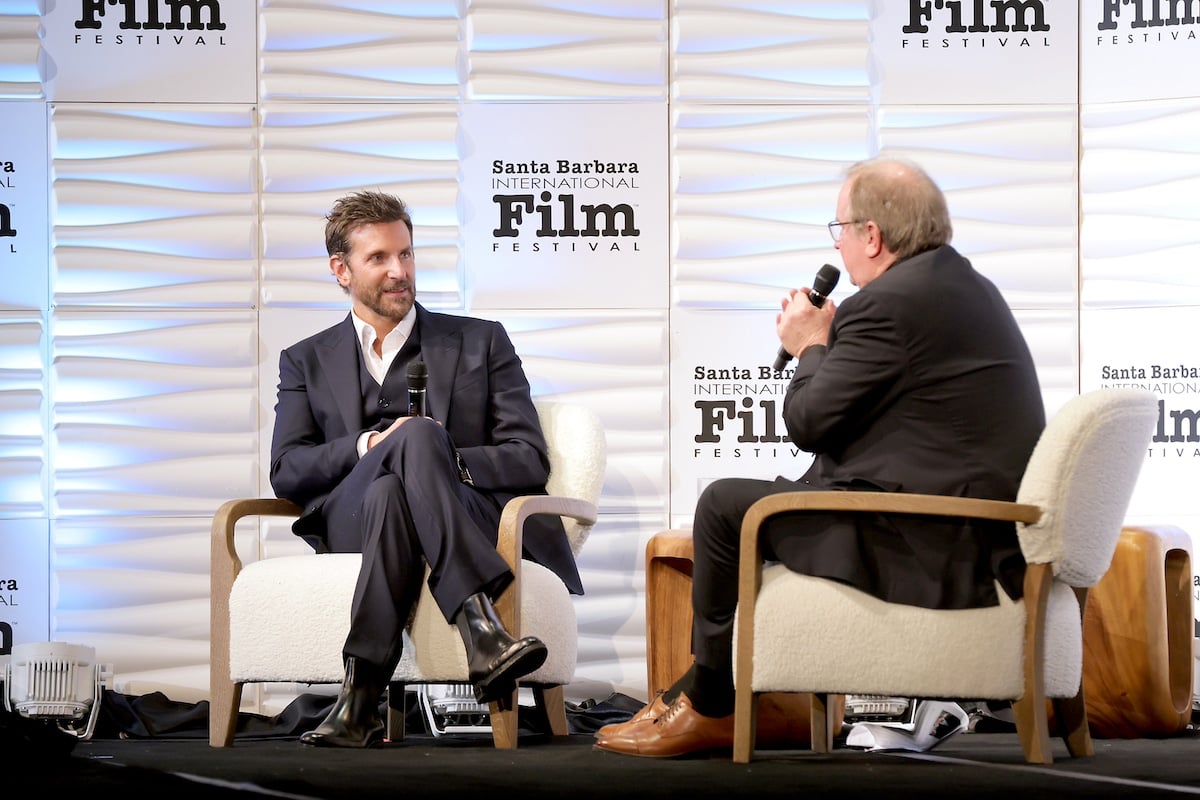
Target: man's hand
(800,324)
(379,436)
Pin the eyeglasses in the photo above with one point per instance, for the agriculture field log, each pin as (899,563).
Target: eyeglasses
(835,228)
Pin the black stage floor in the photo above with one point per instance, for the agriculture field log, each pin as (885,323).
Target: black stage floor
(968,765)
(965,765)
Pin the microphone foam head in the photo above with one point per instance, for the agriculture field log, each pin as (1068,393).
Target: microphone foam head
(827,278)
(417,374)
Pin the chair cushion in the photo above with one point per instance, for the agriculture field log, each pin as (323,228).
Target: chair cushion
(289,616)
(815,635)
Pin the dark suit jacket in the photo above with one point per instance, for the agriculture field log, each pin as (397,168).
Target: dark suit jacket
(927,386)
(477,389)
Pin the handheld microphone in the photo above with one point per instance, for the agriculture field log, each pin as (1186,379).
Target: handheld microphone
(827,278)
(418,376)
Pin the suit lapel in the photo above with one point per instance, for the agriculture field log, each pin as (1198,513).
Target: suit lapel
(441,346)
(338,354)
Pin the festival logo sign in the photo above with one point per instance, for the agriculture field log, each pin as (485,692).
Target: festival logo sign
(136,51)
(727,403)
(24,582)
(1150,348)
(1154,349)
(1139,50)
(24,221)
(968,52)
(558,196)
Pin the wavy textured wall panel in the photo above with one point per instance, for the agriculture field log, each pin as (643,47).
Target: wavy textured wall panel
(156,206)
(608,50)
(20,50)
(153,413)
(346,50)
(23,409)
(803,52)
(1139,180)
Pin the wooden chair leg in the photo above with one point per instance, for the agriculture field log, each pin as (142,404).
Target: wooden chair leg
(552,708)
(1029,712)
(1071,715)
(1030,718)
(745,724)
(503,714)
(821,723)
(224,702)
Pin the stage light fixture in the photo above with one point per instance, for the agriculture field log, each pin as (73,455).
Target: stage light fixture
(57,684)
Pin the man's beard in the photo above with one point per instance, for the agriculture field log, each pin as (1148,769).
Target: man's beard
(387,306)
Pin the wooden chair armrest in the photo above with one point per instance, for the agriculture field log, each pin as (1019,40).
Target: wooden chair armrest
(519,509)
(890,502)
(872,502)
(224,555)
(511,534)
(224,564)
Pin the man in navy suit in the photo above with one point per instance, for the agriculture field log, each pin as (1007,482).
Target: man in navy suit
(409,492)
(920,382)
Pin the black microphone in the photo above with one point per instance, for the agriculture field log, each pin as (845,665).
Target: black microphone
(418,376)
(827,278)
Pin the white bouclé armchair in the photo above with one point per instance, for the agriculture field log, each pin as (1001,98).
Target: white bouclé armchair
(798,633)
(285,619)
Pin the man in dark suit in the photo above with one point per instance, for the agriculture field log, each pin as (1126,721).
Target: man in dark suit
(919,382)
(409,492)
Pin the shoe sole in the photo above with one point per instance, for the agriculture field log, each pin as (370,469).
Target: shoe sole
(329,741)
(504,678)
(706,752)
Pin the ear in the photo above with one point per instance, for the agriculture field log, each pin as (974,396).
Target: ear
(340,271)
(872,239)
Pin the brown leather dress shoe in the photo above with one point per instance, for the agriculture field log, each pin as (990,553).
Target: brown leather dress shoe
(680,731)
(649,712)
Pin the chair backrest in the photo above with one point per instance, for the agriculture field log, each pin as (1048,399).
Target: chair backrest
(578,457)
(1082,474)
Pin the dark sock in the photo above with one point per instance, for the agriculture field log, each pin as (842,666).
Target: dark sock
(710,690)
(678,686)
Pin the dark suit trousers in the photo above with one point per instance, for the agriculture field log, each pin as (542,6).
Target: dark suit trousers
(404,506)
(716,534)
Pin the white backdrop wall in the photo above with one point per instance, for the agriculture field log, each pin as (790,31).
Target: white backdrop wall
(161,198)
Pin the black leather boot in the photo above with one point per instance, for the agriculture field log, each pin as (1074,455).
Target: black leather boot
(494,658)
(354,720)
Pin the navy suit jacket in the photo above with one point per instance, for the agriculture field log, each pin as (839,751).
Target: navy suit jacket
(477,389)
